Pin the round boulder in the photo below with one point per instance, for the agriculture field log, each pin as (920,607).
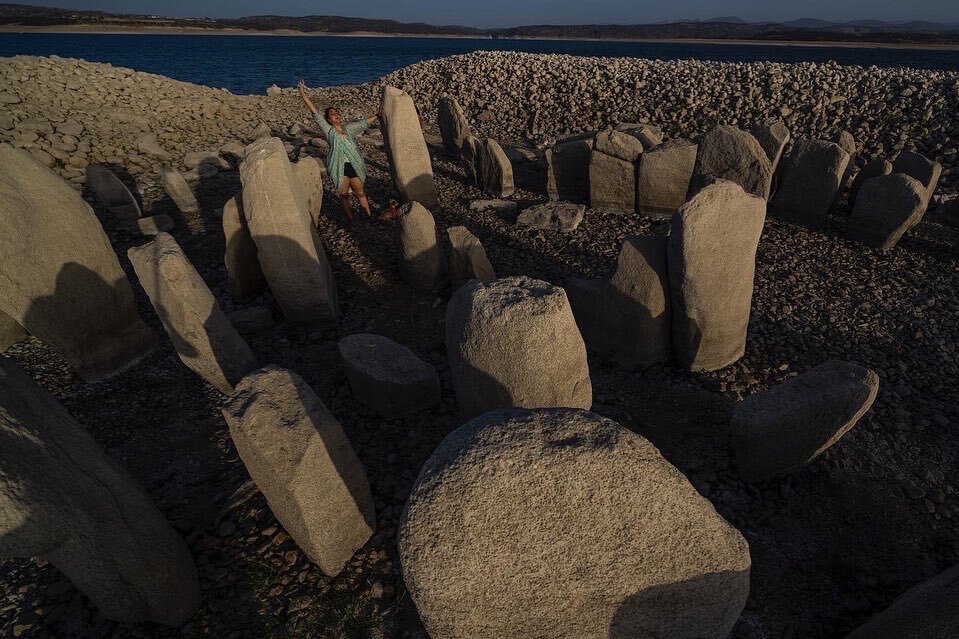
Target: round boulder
(388,377)
(560,523)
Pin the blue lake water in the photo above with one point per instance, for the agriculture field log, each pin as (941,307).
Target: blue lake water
(249,64)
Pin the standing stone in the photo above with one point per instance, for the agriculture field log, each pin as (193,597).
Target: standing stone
(388,377)
(454,128)
(773,136)
(567,170)
(781,430)
(63,499)
(309,173)
(202,336)
(406,148)
(729,153)
(847,142)
(921,168)
(612,540)
(244,277)
(650,136)
(468,259)
(712,261)
(929,610)
(10,332)
(564,217)
(664,175)
(422,263)
(886,208)
(875,168)
(514,343)
(627,315)
(179,191)
(112,193)
(496,172)
(59,277)
(811,178)
(300,459)
(612,172)
(288,248)
(471,155)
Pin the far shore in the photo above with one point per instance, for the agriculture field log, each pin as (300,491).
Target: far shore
(100,30)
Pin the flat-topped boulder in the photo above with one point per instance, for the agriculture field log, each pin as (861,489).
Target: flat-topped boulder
(468,259)
(301,460)
(627,315)
(929,610)
(514,343)
(811,178)
(612,539)
(612,172)
(179,190)
(886,208)
(61,280)
(309,173)
(663,178)
(729,153)
(874,168)
(64,500)
(290,252)
(712,262)
(202,335)
(921,168)
(567,170)
(388,377)
(454,127)
(406,148)
(773,136)
(422,262)
(564,217)
(782,429)
(112,193)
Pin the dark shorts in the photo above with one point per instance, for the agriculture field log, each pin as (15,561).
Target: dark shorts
(349,171)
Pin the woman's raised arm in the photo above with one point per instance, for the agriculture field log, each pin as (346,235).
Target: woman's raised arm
(306,98)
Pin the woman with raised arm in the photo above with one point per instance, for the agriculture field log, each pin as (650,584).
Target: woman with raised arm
(344,163)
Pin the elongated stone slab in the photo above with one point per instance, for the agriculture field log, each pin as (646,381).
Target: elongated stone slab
(245,278)
(422,263)
(112,193)
(468,259)
(406,148)
(811,178)
(179,191)
(453,124)
(309,172)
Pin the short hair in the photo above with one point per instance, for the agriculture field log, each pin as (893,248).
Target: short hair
(326,113)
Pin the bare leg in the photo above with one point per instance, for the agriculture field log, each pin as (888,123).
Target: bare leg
(357,185)
(347,206)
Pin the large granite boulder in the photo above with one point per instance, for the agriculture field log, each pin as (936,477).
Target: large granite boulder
(468,259)
(388,377)
(300,459)
(514,343)
(202,335)
(63,499)
(406,148)
(773,136)
(663,177)
(179,191)
(712,261)
(112,193)
(874,168)
(59,276)
(811,178)
(886,208)
(780,430)
(560,523)
(612,172)
(244,277)
(929,610)
(309,172)
(422,263)
(567,170)
(729,153)
(290,252)
(564,217)
(627,315)
(454,127)
(921,168)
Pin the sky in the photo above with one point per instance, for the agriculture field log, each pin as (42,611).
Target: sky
(504,13)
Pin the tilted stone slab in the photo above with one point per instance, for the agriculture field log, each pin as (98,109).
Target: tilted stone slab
(471,155)
(388,377)
(202,335)
(782,429)
(406,148)
(811,178)
(151,226)
(613,540)
(290,252)
(63,499)
(179,191)
(309,172)
(59,276)
(301,460)
(712,262)
(663,177)
(245,278)
(729,153)
(496,171)
(886,208)
(847,142)
(567,170)
(929,610)
(773,136)
(112,193)
(514,343)
(454,127)
(422,263)
(10,332)
(468,259)
(564,217)
(874,168)
(628,315)
(921,168)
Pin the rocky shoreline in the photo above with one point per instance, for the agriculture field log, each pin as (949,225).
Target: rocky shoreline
(831,546)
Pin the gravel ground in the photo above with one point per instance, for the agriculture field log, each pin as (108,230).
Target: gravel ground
(831,545)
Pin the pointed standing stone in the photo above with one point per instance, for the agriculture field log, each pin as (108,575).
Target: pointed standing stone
(920,168)
(179,191)
(309,172)
(811,178)
(729,153)
(886,208)
(773,136)
(422,263)
(875,168)
(468,259)
(112,193)
(244,276)
(453,124)
(497,172)
(406,148)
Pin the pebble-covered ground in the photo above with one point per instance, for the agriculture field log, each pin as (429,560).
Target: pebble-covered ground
(831,545)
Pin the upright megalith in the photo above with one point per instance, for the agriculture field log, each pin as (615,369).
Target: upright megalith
(471,155)
(929,610)
(201,333)
(780,430)
(288,248)
(612,540)
(773,136)
(886,208)
(627,315)
(112,193)
(179,191)
(712,261)
(301,460)
(244,277)
(513,342)
(454,127)
(664,174)
(496,171)
(406,148)
(10,332)
(874,168)
(59,277)
(921,168)
(309,173)
(811,178)
(612,172)
(729,153)
(567,170)
(63,499)
(468,259)
(422,263)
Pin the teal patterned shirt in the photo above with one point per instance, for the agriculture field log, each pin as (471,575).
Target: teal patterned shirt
(343,149)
